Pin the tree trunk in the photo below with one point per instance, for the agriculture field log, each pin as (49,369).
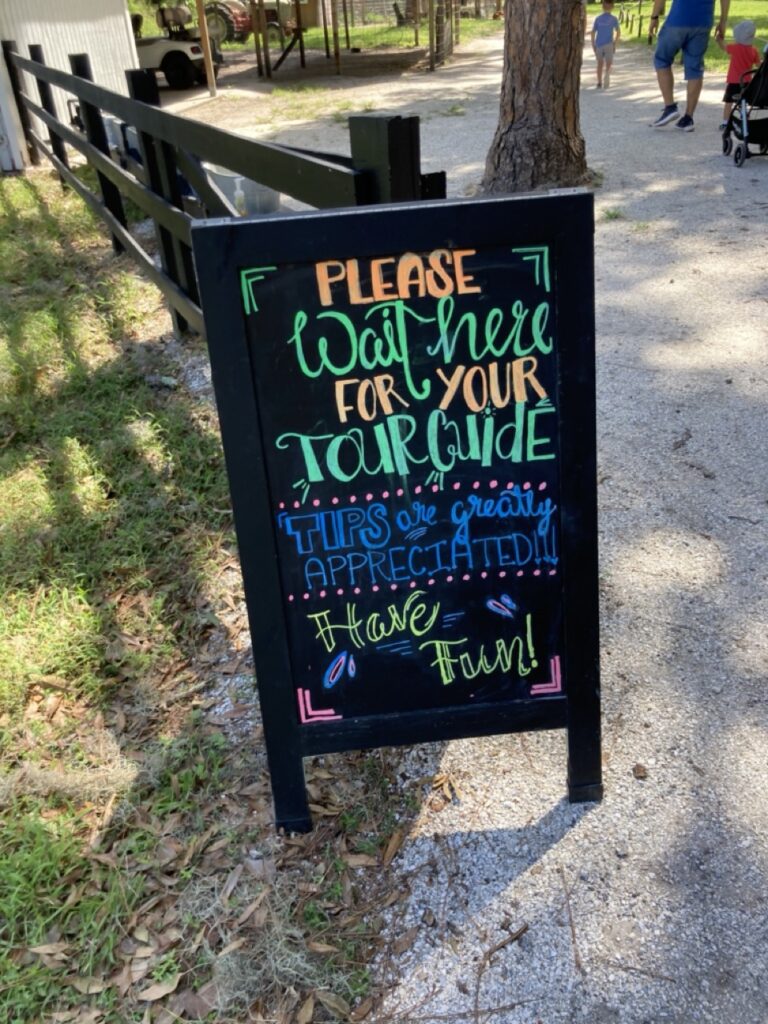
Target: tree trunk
(538,140)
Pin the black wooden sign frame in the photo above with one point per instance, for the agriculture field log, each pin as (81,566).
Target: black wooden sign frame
(556,228)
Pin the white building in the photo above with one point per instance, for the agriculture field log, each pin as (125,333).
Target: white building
(100,28)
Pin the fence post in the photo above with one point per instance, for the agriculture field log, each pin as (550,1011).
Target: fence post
(97,136)
(46,102)
(300,30)
(325,27)
(256,30)
(9,47)
(335,35)
(263,35)
(389,147)
(431,16)
(162,177)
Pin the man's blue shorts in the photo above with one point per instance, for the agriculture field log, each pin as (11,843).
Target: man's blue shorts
(692,41)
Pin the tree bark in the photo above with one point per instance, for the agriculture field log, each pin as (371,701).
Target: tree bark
(538,139)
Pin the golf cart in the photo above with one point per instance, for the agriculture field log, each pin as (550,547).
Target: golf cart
(178,53)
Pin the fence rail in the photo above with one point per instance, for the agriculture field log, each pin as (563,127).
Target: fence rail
(166,174)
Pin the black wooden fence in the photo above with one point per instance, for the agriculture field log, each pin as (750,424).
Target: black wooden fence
(167,177)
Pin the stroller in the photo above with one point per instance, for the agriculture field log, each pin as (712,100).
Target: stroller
(749,128)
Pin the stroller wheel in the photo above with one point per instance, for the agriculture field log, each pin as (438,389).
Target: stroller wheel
(727,145)
(739,155)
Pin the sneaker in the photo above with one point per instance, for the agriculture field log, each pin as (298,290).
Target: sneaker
(723,126)
(668,114)
(685,124)
(599,85)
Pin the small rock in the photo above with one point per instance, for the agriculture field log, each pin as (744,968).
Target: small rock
(640,771)
(156,381)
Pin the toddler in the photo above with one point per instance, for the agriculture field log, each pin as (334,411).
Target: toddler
(743,57)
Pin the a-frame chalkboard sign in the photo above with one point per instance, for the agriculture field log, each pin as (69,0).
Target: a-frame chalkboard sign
(407,403)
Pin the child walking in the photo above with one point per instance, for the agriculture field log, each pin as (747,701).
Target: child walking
(743,57)
(606,33)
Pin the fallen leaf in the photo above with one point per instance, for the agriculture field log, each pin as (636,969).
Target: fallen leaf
(251,907)
(198,1004)
(326,811)
(230,884)
(361,860)
(394,844)
(305,1014)
(219,845)
(160,989)
(122,979)
(232,946)
(89,1016)
(104,858)
(167,851)
(198,844)
(406,940)
(335,1004)
(144,951)
(138,969)
(361,1012)
(51,949)
(88,986)
(321,947)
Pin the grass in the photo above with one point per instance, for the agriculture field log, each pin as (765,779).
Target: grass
(127,816)
(104,479)
(384,35)
(715,60)
(39,859)
(379,33)
(107,526)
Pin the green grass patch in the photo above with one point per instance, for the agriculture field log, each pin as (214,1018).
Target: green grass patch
(136,836)
(60,918)
(114,507)
(109,483)
(381,34)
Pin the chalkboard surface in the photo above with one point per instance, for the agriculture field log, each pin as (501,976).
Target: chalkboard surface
(407,405)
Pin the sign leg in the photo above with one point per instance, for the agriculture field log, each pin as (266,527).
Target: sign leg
(290,794)
(585,775)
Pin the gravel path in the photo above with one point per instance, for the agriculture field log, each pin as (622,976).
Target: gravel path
(650,907)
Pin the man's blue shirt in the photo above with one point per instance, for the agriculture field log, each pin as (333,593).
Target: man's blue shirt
(692,14)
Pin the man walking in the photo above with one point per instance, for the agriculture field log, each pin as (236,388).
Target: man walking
(686,28)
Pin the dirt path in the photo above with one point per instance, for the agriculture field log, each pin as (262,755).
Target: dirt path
(652,906)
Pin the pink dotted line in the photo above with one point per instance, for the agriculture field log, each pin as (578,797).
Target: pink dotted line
(369,495)
(412,584)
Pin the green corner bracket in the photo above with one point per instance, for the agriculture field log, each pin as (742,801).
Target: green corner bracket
(539,256)
(248,279)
